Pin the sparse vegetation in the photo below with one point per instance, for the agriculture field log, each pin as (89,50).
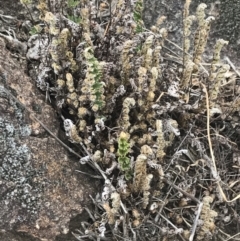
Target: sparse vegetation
(160,132)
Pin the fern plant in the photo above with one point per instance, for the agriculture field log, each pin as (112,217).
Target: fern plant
(94,77)
(137,16)
(71,5)
(123,150)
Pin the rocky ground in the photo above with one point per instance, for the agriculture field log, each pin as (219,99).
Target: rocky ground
(42,197)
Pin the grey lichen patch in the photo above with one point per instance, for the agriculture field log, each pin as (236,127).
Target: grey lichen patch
(38,189)
(19,191)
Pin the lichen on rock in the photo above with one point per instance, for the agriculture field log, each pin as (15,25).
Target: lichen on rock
(39,188)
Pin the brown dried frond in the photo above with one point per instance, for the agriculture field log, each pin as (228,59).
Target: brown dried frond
(147,44)
(43,8)
(82,125)
(146,150)
(97,156)
(187,23)
(137,218)
(70,83)
(128,103)
(160,140)
(186,8)
(148,59)
(201,35)
(156,57)
(71,131)
(220,76)
(82,111)
(160,20)
(207,216)
(142,78)
(61,83)
(200,13)
(187,73)
(164,34)
(72,99)
(140,173)
(115,202)
(146,187)
(146,139)
(125,59)
(152,84)
(110,214)
(216,56)
(136,214)
(52,20)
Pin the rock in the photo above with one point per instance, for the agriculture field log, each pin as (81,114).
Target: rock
(40,190)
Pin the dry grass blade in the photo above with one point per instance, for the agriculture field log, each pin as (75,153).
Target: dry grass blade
(196,222)
(214,169)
